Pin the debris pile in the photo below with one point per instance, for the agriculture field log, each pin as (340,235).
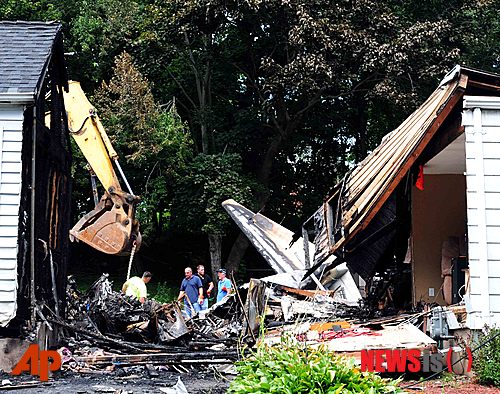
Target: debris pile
(106,311)
(105,329)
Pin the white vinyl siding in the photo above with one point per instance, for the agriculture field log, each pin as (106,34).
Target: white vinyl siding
(11,125)
(481,119)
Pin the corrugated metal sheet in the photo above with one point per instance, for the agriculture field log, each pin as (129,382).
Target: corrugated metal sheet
(11,120)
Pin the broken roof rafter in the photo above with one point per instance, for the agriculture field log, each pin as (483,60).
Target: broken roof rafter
(402,166)
(363,192)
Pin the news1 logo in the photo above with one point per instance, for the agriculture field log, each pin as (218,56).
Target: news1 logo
(38,363)
(408,360)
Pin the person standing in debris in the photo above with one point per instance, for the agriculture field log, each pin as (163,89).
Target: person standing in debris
(136,287)
(207,283)
(192,292)
(224,286)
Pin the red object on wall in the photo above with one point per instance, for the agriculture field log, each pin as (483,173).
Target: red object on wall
(420,179)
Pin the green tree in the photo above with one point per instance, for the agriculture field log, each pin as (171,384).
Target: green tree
(153,140)
(27,10)
(200,190)
(97,32)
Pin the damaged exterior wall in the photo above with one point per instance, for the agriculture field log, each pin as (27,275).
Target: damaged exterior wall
(34,244)
(367,188)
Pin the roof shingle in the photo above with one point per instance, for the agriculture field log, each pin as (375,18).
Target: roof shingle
(25,48)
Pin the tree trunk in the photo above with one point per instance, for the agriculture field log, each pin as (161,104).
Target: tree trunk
(215,246)
(237,252)
(360,123)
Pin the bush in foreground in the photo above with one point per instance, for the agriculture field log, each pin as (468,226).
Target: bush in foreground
(487,359)
(288,368)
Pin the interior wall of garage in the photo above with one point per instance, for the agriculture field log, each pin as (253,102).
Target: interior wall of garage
(439,211)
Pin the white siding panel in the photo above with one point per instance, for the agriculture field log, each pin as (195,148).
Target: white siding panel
(8,231)
(10,113)
(490,134)
(490,166)
(493,251)
(7,286)
(495,303)
(7,274)
(13,134)
(9,177)
(10,221)
(492,234)
(9,188)
(492,217)
(491,150)
(12,146)
(8,210)
(492,200)
(493,267)
(491,183)
(8,265)
(14,167)
(10,157)
(7,303)
(8,242)
(494,285)
(11,124)
(8,253)
(490,117)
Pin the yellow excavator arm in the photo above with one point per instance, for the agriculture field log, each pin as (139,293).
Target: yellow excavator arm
(111,226)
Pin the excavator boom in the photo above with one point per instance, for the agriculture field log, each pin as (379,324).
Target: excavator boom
(111,226)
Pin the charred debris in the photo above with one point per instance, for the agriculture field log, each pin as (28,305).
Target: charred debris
(105,330)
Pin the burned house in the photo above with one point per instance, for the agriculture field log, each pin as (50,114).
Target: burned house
(419,218)
(35,173)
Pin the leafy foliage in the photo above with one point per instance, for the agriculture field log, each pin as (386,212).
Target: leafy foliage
(164,292)
(487,359)
(29,10)
(206,182)
(154,141)
(99,30)
(288,368)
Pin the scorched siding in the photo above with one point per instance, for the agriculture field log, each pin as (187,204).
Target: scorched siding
(11,125)
(482,130)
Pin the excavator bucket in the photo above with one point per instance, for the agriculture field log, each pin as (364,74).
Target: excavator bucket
(109,228)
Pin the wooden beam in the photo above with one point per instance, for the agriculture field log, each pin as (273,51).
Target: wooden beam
(307,293)
(483,85)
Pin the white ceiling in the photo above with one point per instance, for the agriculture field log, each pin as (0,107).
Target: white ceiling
(451,160)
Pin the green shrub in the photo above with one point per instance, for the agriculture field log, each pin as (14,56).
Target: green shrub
(165,292)
(487,359)
(287,368)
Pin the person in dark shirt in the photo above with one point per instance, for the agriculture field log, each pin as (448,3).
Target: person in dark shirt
(207,283)
(192,292)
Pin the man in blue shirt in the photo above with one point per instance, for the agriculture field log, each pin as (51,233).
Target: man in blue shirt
(192,292)
(224,286)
